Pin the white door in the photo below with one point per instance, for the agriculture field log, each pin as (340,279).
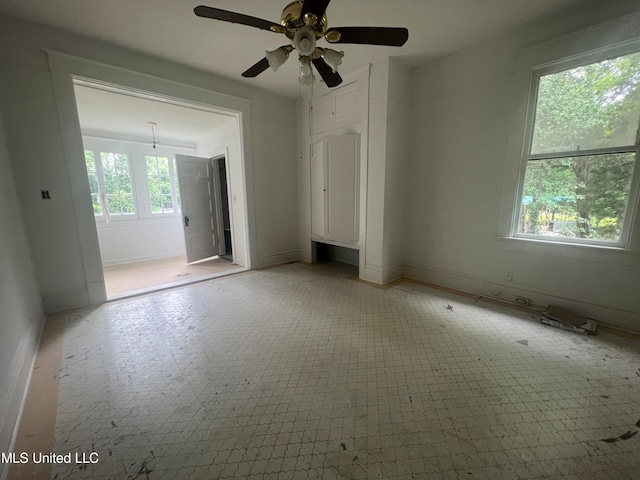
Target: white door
(199,196)
(342,179)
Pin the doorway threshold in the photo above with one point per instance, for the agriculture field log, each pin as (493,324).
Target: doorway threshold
(175,284)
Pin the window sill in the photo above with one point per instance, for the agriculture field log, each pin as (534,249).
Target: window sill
(579,251)
(138,221)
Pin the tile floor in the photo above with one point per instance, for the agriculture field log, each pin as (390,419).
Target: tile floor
(301,373)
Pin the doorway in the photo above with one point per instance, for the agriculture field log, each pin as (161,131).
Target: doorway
(135,184)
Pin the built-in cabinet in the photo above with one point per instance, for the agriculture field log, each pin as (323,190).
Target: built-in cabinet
(335,190)
(336,109)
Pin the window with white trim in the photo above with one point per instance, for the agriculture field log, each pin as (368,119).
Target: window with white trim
(118,183)
(93,182)
(111,183)
(137,184)
(163,188)
(581,151)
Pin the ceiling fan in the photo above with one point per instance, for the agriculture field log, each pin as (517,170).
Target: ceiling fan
(304,22)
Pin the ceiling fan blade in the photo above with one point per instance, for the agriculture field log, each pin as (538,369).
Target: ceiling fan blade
(317,7)
(256,69)
(331,78)
(392,36)
(233,17)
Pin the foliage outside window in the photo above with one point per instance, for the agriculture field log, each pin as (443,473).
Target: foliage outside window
(93,182)
(163,189)
(583,151)
(118,187)
(110,183)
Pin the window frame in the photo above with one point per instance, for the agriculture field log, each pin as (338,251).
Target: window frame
(102,194)
(173,180)
(527,125)
(137,152)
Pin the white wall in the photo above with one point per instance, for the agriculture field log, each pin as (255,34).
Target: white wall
(398,101)
(60,230)
(21,313)
(275,188)
(126,241)
(460,126)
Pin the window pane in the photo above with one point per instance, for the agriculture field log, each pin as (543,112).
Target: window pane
(159,181)
(118,183)
(581,197)
(177,185)
(90,162)
(97,208)
(588,107)
(167,203)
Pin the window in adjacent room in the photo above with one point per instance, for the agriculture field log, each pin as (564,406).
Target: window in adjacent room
(582,152)
(111,183)
(93,181)
(163,187)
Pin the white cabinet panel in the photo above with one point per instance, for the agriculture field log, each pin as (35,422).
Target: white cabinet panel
(323,113)
(347,105)
(335,187)
(317,190)
(338,108)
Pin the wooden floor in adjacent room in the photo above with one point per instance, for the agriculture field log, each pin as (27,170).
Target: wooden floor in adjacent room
(128,278)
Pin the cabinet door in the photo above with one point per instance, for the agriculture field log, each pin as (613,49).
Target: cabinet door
(317,190)
(323,113)
(342,179)
(347,108)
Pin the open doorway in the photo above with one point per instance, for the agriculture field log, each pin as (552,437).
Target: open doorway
(132,144)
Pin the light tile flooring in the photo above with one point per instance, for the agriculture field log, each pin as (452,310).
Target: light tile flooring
(298,372)
(141,277)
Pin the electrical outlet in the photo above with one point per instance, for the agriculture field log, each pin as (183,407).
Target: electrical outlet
(508,277)
(522,301)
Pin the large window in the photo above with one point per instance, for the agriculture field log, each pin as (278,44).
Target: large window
(118,185)
(163,187)
(127,181)
(582,152)
(111,183)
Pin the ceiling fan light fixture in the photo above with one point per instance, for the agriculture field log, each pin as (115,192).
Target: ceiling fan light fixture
(277,57)
(304,41)
(333,58)
(306,72)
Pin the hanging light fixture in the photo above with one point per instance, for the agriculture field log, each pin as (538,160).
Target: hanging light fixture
(333,58)
(278,56)
(306,72)
(154,142)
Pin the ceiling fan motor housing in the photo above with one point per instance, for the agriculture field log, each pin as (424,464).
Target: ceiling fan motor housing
(291,19)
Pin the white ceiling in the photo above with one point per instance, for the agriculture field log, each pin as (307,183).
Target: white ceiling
(170,29)
(124,116)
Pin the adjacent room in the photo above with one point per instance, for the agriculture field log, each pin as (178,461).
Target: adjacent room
(319,239)
(133,143)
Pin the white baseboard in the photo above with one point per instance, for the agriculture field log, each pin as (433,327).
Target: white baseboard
(391,274)
(68,300)
(304,256)
(15,387)
(381,276)
(604,314)
(142,258)
(277,258)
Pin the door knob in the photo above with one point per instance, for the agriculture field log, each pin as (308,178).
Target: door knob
(186,221)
